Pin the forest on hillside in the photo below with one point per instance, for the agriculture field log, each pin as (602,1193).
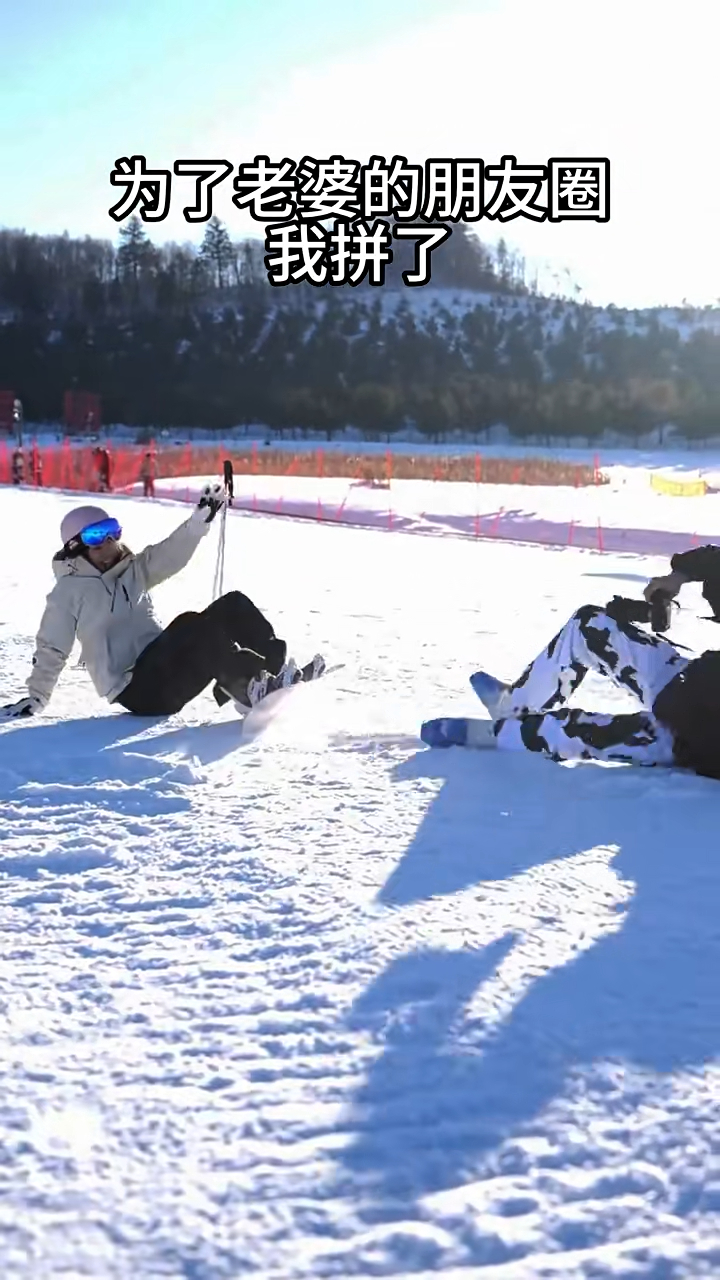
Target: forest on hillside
(178,335)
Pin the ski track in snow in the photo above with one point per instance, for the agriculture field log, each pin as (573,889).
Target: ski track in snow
(320,1002)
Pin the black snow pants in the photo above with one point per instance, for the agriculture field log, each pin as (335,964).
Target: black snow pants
(228,642)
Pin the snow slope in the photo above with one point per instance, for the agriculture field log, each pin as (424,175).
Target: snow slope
(626,514)
(321,1002)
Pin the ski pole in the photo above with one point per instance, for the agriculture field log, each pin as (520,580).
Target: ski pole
(220,563)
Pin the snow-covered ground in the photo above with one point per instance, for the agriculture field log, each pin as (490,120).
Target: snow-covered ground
(321,1002)
(626,514)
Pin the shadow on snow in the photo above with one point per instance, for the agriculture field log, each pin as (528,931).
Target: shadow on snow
(646,995)
(99,748)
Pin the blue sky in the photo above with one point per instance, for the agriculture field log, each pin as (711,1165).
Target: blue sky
(90,80)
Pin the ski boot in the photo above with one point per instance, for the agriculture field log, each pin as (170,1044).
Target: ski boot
(260,686)
(271,664)
(289,675)
(234,691)
(314,669)
(493,694)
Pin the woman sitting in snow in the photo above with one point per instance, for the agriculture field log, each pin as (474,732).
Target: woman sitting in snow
(102,598)
(679,720)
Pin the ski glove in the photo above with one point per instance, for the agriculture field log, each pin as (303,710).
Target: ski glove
(25,707)
(212,499)
(669,583)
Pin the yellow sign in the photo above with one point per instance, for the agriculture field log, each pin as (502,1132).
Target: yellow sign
(679,488)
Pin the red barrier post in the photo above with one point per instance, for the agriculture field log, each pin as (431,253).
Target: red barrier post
(66,465)
(321,471)
(110,467)
(35,465)
(74,462)
(357,476)
(86,469)
(153,470)
(571,526)
(388,477)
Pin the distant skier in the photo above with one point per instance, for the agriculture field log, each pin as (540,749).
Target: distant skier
(18,467)
(148,471)
(679,720)
(102,466)
(102,598)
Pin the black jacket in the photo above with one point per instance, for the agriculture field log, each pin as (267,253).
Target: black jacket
(702,565)
(690,704)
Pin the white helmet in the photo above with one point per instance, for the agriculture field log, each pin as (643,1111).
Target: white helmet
(79,518)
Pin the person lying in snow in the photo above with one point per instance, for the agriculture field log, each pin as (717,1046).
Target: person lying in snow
(102,598)
(679,720)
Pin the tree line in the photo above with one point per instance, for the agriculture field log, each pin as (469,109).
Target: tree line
(179,336)
(92,279)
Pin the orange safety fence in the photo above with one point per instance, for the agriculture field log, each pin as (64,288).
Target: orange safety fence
(93,469)
(70,466)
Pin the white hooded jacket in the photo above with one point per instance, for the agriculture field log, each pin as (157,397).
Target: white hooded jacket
(111,613)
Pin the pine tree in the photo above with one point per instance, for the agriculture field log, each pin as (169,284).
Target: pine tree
(217,250)
(135,249)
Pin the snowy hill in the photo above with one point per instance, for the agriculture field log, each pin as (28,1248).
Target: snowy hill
(432,301)
(321,1002)
(441,363)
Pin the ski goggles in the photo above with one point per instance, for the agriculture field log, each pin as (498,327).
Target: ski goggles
(93,535)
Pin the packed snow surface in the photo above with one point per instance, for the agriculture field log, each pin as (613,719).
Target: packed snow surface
(626,514)
(306,999)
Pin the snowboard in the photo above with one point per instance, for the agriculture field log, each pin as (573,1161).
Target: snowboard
(458,731)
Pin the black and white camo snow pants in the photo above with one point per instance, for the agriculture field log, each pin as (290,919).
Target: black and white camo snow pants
(635,660)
